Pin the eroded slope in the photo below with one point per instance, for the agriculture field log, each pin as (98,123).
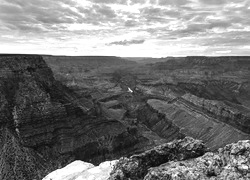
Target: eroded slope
(42,119)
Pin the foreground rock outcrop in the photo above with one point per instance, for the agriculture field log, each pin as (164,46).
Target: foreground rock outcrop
(79,170)
(177,160)
(136,167)
(230,162)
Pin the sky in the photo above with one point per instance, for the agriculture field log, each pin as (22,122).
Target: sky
(127,28)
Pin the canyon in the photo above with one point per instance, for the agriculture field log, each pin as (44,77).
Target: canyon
(45,123)
(56,109)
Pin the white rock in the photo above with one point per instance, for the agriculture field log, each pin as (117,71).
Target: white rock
(69,171)
(79,170)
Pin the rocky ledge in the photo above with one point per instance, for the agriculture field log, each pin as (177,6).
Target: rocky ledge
(178,160)
(79,170)
(230,162)
(137,166)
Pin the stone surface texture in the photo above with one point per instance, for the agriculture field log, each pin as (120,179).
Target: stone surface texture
(79,170)
(48,124)
(230,162)
(136,166)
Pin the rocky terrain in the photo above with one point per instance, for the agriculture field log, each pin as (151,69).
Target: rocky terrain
(213,132)
(179,159)
(82,171)
(45,125)
(229,162)
(58,109)
(136,166)
(203,97)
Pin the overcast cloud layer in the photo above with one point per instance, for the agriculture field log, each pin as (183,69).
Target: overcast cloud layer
(154,28)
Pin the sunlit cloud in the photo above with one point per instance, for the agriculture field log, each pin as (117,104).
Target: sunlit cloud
(125,27)
(127,42)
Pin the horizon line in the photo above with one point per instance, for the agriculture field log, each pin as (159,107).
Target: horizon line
(16,54)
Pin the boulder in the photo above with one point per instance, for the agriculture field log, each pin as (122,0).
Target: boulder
(137,166)
(230,162)
(79,170)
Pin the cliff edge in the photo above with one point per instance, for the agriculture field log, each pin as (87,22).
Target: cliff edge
(44,125)
(178,160)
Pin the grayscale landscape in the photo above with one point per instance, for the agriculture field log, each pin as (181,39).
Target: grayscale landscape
(124,90)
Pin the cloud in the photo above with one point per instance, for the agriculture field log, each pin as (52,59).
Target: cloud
(183,24)
(173,2)
(36,16)
(131,23)
(157,14)
(213,2)
(228,39)
(10,9)
(138,2)
(105,11)
(127,42)
(98,14)
(110,1)
(43,16)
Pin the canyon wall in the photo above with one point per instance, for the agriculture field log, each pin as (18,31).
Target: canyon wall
(46,120)
(237,118)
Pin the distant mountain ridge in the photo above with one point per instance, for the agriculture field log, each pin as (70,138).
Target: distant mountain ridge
(208,61)
(97,60)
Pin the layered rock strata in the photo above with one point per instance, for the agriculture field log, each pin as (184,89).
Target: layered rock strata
(46,119)
(221,111)
(192,122)
(158,122)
